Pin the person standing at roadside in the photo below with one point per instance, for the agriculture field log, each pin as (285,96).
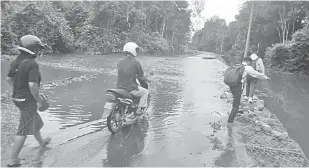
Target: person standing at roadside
(24,76)
(257,64)
(234,77)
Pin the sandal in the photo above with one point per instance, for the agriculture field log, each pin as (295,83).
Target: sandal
(16,164)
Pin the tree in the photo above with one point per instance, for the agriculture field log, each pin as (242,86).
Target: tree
(99,26)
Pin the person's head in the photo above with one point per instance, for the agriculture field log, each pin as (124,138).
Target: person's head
(235,60)
(249,53)
(248,60)
(254,49)
(32,45)
(131,49)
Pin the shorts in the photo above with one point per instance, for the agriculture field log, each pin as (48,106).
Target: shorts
(30,121)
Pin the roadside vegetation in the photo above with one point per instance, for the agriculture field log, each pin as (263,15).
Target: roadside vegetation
(279,28)
(98,27)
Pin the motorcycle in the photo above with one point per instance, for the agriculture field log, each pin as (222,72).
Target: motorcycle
(119,105)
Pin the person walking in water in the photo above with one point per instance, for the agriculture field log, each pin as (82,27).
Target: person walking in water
(234,77)
(24,76)
(257,64)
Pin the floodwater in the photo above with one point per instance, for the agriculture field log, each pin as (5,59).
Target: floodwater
(184,102)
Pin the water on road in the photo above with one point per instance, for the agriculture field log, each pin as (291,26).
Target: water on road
(184,106)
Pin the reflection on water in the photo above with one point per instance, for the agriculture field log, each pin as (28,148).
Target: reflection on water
(228,156)
(126,144)
(287,96)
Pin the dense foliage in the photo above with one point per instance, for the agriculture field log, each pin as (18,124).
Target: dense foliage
(279,29)
(98,26)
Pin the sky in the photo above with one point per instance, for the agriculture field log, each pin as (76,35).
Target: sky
(226,9)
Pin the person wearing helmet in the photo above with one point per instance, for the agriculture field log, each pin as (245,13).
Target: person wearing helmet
(129,69)
(25,78)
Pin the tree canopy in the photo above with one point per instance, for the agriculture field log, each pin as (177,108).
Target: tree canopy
(98,26)
(276,25)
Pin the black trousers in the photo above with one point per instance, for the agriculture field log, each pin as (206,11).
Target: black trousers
(236,91)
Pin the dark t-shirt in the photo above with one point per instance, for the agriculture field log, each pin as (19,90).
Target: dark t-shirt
(128,70)
(24,69)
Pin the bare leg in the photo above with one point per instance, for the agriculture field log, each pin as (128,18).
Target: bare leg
(40,140)
(42,144)
(252,88)
(18,145)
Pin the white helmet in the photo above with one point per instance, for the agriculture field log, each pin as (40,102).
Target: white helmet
(131,48)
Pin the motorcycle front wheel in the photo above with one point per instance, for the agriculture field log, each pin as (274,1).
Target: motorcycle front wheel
(114,120)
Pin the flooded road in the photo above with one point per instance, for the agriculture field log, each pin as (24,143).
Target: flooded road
(184,109)
(185,102)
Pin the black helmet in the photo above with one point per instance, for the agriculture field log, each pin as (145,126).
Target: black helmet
(30,44)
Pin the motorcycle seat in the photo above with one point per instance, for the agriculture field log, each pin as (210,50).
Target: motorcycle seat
(121,93)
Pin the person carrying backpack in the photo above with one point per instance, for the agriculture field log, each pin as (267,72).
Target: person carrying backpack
(257,64)
(234,77)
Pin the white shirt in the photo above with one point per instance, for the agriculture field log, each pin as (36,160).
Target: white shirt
(259,63)
(249,70)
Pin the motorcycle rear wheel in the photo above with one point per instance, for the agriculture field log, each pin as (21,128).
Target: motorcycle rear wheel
(113,125)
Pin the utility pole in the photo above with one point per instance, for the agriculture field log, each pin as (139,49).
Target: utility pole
(249,29)
(222,40)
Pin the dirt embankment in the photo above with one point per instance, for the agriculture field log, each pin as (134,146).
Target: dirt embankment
(266,140)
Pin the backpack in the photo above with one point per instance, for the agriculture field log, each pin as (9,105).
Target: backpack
(233,75)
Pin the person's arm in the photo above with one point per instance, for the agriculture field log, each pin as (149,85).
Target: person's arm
(33,79)
(140,73)
(35,90)
(250,71)
(10,81)
(11,74)
(261,66)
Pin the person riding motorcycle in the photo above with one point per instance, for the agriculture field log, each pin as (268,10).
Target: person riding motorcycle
(129,70)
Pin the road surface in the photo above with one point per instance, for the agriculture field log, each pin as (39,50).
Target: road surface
(186,127)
